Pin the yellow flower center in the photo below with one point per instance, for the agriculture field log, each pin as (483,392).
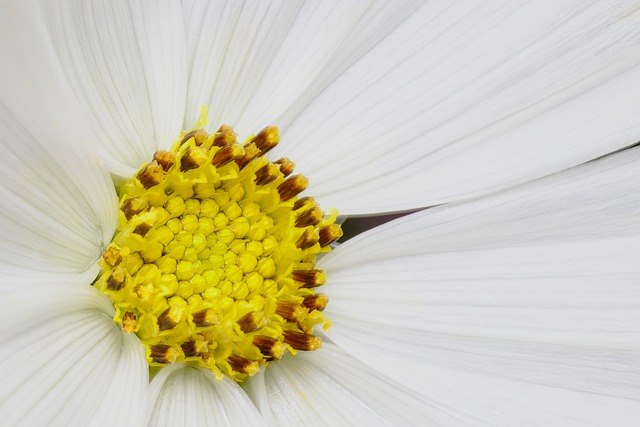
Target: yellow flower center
(213,260)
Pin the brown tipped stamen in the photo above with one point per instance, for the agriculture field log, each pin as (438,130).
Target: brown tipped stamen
(193,348)
(116,280)
(129,322)
(269,347)
(164,159)
(252,322)
(242,365)
(310,278)
(200,136)
(303,202)
(309,217)
(292,186)
(151,175)
(286,166)
(266,139)
(225,128)
(134,206)
(112,256)
(266,174)
(291,312)
(206,317)
(168,319)
(329,234)
(307,239)
(224,136)
(193,158)
(250,152)
(162,353)
(227,154)
(316,302)
(143,228)
(302,341)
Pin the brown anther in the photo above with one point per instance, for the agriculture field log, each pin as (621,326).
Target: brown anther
(224,136)
(193,348)
(225,128)
(151,175)
(144,291)
(134,206)
(143,228)
(242,365)
(227,154)
(310,278)
(250,152)
(112,256)
(329,234)
(253,321)
(309,217)
(308,238)
(162,353)
(164,159)
(116,279)
(292,186)
(303,202)
(291,312)
(168,319)
(189,349)
(301,341)
(266,174)
(192,158)
(271,348)
(129,322)
(199,135)
(286,166)
(206,317)
(266,139)
(315,302)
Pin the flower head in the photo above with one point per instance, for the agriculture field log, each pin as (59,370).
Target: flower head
(515,297)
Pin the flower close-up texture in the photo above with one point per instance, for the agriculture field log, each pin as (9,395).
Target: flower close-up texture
(176,178)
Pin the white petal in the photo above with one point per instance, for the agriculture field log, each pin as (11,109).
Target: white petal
(482,401)
(229,46)
(261,63)
(565,315)
(467,98)
(58,205)
(537,284)
(328,387)
(126,62)
(598,200)
(185,396)
(64,362)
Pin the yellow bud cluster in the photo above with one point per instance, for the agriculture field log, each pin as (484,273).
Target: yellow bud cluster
(213,261)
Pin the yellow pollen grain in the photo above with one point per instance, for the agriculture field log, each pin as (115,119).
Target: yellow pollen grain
(213,262)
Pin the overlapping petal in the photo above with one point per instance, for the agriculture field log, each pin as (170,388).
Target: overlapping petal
(58,204)
(64,361)
(260,63)
(328,387)
(463,99)
(467,98)
(186,396)
(126,63)
(536,285)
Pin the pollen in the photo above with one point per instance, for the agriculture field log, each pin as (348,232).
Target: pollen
(213,259)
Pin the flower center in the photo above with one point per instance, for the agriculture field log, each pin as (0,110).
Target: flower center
(213,260)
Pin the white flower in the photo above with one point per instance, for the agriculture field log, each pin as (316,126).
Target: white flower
(516,304)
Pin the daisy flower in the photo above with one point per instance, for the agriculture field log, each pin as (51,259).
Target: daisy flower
(510,301)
